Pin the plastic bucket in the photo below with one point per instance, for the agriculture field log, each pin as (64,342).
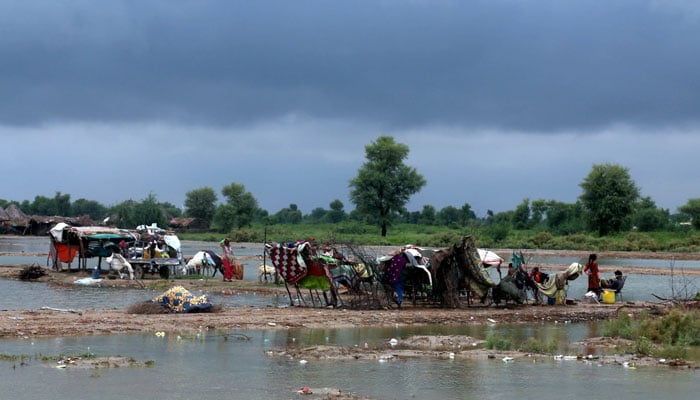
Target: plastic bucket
(608,296)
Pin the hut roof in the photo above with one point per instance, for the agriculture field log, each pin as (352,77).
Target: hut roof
(13,212)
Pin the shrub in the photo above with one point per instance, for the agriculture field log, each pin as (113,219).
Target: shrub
(533,345)
(621,327)
(676,328)
(498,343)
(542,238)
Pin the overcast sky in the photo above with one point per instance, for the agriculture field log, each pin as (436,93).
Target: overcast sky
(498,101)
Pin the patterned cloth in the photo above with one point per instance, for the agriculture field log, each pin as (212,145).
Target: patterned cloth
(179,300)
(393,271)
(288,262)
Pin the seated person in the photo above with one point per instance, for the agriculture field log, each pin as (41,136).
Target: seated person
(538,276)
(612,283)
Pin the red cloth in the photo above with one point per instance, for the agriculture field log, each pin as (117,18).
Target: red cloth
(228,269)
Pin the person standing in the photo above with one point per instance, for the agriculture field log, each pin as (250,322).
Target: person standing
(227,259)
(591,268)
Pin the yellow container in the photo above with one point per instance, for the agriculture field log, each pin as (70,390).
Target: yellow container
(608,296)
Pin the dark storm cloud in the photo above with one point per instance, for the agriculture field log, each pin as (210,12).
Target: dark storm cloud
(512,65)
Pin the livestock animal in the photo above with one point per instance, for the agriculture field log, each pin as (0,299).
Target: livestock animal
(117,262)
(205,260)
(270,271)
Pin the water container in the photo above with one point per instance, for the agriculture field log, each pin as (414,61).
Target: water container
(608,296)
(96,273)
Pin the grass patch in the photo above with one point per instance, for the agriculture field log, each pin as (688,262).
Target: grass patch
(669,336)
(498,343)
(532,345)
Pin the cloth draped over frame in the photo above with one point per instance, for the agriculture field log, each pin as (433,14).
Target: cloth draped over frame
(556,285)
(288,261)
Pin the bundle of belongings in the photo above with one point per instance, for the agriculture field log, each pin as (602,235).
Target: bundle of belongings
(179,300)
(555,287)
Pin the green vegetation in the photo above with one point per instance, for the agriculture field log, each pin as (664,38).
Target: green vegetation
(532,345)
(609,195)
(668,336)
(384,184)
(437,236)
(494,342)
(610,214)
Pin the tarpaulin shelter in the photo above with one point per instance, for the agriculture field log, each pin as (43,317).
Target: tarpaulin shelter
(84,241)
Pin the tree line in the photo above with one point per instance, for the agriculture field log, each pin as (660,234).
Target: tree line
(610,202)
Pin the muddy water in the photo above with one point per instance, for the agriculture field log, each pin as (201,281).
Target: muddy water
(215,366)
(209,366)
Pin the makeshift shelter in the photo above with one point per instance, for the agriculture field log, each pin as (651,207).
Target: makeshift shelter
(84,241)
(300,266)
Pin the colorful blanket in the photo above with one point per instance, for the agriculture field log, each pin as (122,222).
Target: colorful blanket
(288,262)
(179,300)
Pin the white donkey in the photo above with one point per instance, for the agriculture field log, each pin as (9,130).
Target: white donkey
(117,262)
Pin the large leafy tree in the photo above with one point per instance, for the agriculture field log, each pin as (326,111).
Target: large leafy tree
(201,203)
(240,207)
(609,196)
(692,208)
(384,184)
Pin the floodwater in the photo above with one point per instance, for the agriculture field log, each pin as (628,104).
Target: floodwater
(215,365)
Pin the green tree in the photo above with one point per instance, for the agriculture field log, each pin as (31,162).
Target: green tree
(648,218)
(316,215)
(94,209)
(289,215)
(122,214)
(466,215)
(448,216)
(243,204)
(384,184)
(225,217)
(538,208)
(201,203)
(41,205)
(336,213)
(608,197)
(564,218)
(62,204)
(692,208)
(521,215)
(148,212)
(427,216)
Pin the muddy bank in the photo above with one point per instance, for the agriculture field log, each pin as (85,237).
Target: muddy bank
(57,322)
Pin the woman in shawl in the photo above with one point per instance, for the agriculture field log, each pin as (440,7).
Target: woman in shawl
(591,268)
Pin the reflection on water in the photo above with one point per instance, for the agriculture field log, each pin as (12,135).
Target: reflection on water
(209,366)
